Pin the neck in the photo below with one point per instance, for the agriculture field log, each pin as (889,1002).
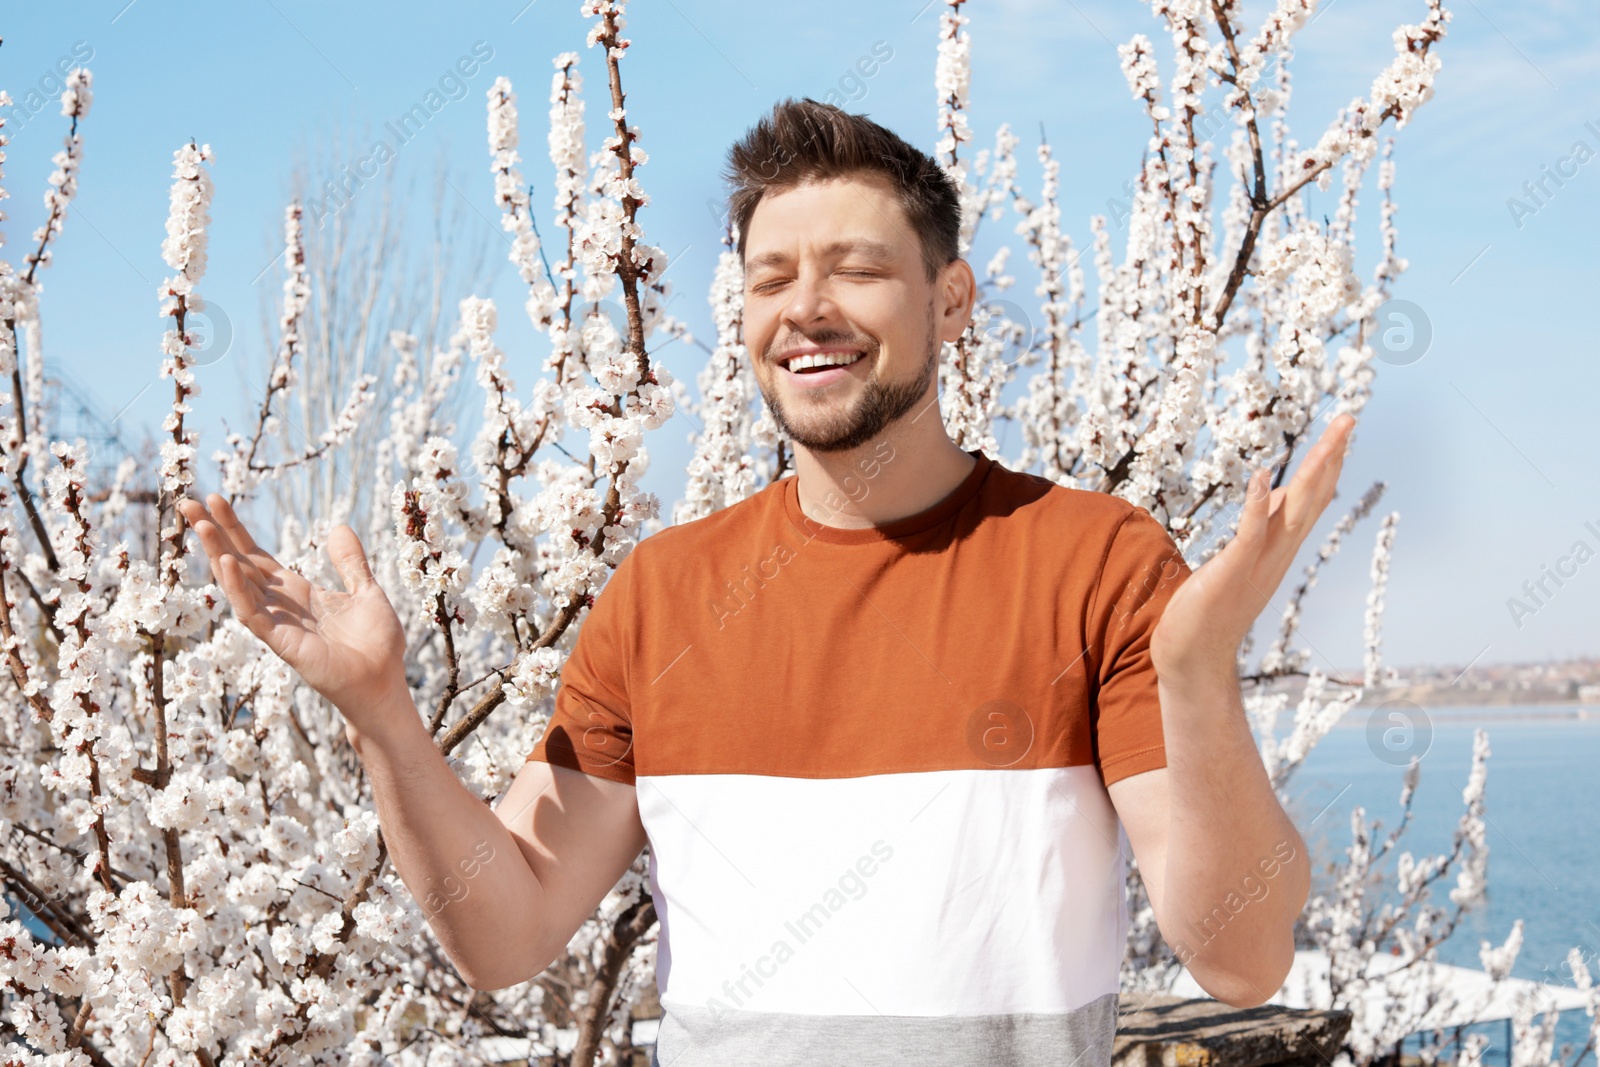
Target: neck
(907,469)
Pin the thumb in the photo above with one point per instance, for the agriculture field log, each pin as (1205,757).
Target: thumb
(344,550)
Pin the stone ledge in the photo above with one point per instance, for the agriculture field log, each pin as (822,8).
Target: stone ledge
(1167,1031)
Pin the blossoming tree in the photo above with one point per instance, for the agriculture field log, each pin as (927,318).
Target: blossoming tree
(192,863)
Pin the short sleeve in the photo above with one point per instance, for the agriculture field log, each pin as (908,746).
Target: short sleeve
(591,728)
(1142,569)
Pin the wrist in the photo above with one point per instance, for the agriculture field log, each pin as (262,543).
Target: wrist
(386,719)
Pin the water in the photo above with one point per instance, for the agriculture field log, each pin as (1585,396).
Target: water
(1541,801)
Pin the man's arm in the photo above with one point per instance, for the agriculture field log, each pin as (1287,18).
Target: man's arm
(533,868)
(504,889)
(1226,870)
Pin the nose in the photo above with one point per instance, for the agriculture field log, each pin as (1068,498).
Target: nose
(810,303)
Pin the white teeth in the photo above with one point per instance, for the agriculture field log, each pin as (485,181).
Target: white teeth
(823,359)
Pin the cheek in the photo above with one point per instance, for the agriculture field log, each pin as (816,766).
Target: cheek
(758,327)
(885,317)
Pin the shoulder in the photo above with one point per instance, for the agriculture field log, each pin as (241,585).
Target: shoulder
(1033,498)
(1102,543)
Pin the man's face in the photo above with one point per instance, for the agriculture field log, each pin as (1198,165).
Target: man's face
(834,270)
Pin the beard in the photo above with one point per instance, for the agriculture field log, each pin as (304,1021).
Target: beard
(877,407)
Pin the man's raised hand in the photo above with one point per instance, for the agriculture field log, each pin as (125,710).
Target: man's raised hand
(348,645)
(1209,615)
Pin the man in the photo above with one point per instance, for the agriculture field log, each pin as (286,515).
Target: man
(884,722)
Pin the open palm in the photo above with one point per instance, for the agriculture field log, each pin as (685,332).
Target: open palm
(1209,615)
(348,645)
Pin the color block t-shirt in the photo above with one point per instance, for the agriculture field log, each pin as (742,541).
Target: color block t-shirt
(872,764)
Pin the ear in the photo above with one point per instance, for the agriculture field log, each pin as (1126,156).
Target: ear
(956,292)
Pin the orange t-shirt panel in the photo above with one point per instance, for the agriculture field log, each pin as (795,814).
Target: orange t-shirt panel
(1008,626)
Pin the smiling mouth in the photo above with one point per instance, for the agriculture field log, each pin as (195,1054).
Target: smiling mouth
(813,362)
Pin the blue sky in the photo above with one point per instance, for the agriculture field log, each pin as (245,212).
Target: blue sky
(1486,442)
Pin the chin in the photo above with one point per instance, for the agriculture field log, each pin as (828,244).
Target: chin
(832,437)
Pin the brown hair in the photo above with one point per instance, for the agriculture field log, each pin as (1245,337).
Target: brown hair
(803,140)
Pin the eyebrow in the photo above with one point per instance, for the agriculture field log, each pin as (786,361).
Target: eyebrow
(874,250)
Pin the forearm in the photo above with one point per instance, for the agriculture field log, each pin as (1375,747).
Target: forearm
(455,856)
(1236,873)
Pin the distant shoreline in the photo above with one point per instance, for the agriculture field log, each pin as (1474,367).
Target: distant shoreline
(1570,684)
(1459,713)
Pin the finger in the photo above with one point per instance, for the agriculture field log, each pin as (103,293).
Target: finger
(228,520)
(344,550)
(219,542)
(1335,441)
(194,513)
(218,547)
(1258,495)
(1236,563)
(192,509)
(247,600)
(1313,484)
